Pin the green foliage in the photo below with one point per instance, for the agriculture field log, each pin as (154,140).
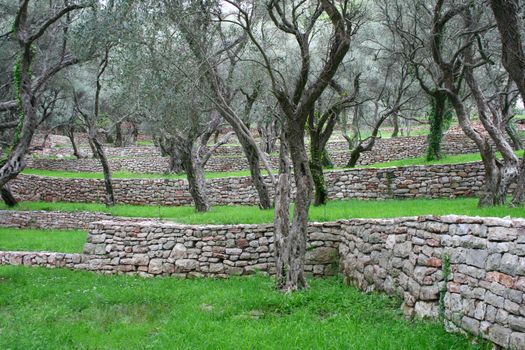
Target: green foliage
(439,123)
(446,274)
(63,309)
(17,77)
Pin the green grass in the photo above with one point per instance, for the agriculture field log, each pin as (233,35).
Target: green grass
(62,309)
(145,143)
(126,175)
(334,210)
(42,240)
(455,159)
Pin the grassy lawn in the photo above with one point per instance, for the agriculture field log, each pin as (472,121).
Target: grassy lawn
(455,159)
(126,175)
(334,210)
(42,240)
(145,143)
(62,309)
(461,158)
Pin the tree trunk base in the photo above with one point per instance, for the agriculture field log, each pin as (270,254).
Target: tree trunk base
(8,197)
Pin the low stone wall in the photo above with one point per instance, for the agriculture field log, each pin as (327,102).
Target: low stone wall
(434,181)
(231,158)
(152,248)
(55,220)
(468,270)
(476,265)
(153,164)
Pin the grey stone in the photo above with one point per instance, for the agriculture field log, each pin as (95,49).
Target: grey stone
(185,265)
(471,325)
(517,323)
(155,266)
(517,341)
(499,335)
(179,251)
(476,257)
(322,255)
(509,264)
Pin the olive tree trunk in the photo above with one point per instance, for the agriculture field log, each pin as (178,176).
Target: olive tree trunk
(282,213)
(8,197)
(506,13)
(438,115)
(195,175)
(108,182)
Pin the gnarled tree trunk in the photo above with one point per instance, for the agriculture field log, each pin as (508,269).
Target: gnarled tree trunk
(71,135)
(438,115)
(298,231)
(195,174)
(8,197)
(282,213)
(108,183)
(510,28)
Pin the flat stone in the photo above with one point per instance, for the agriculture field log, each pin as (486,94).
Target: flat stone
(517,323)
(322,255)
(155,266)
(499,335)
(185,265)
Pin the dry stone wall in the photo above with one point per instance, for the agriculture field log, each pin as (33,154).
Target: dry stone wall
(475,265)
(153,164)
(468,270)
(54,220)
(230,158)
(147,159)
(436,181)
(151,248)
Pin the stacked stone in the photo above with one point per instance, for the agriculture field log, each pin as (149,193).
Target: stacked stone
(54,220)
(436,181)
(149,249)
(45,259)
(154,164)
(147,159)
(470,271)
(486,289)
(395,256)
(483,260)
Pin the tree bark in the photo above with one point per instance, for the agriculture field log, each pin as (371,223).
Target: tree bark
(8,197)
(282,213)
(513,59)
(93,148)
(437,125)
(195,175)
(71,136)
(395,122)
(321,194)
(119,141)
(514,136)
(108,183)
(295,279)
(253,156)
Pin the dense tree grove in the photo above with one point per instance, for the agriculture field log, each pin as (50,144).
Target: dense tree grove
(278,76)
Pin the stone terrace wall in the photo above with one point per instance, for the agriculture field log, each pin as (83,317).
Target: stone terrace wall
(55,220)
(484,292)
(141,165)
(469,270)
(231,158)
(434,181)
(169,249)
